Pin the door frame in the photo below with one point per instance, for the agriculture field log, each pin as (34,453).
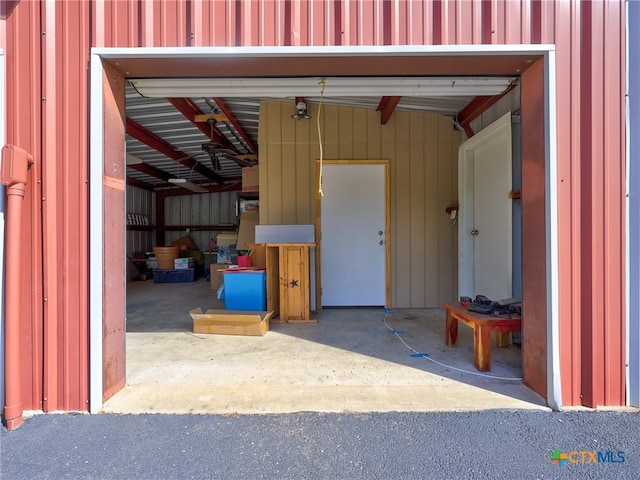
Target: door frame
(3,113)
(466,159)
(387,221)
(548,150)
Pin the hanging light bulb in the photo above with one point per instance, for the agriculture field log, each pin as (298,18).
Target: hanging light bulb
(301,111)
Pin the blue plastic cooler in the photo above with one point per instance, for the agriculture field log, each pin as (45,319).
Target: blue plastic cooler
(245,289)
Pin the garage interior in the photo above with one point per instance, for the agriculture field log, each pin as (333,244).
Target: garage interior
(351,359)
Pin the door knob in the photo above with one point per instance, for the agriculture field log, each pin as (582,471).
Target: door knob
(380,232)
(380,242)
(474,231)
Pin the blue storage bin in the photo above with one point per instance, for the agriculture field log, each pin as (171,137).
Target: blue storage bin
(174,275)
(245,289)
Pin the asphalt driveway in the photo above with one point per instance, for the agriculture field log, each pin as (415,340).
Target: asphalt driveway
(489,444)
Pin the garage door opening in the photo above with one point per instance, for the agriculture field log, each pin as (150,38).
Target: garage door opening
(98,364)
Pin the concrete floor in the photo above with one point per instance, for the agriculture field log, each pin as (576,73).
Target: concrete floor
(349,361)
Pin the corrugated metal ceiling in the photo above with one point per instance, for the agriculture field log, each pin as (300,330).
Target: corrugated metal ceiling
(160,117)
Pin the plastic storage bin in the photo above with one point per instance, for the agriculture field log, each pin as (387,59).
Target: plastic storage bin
(174,275)
(245,289)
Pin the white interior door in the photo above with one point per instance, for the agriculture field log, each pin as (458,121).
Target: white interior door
(485,240)
(353,229)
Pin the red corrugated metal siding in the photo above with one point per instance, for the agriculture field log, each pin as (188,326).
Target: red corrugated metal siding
(65,204)
(590,72)
(23,126)
(569,90)
(45,113)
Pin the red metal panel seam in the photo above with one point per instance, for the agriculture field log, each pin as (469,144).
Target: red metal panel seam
(219,23)
(53,320)
(450,23)
(487,22)
(571,308)
(305,23)
(198,19)
(566,251)
(525,23)
(346,30)
(367,20)
(586,386)
(291,31)
(597,200)
(464,18)
(613,69)
(84,211)
(98,24)
(23,126)
(499,24)
(536,21)
(437,22)
(76,49)
(512,11)
(549,21)
(478,8)
(621,31)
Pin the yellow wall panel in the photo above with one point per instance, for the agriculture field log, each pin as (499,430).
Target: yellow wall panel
(422,151)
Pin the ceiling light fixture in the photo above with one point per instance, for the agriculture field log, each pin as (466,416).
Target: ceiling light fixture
(301,111)
(334,86)
(184,183)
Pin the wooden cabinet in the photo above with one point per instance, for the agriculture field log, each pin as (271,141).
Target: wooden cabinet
(288,281)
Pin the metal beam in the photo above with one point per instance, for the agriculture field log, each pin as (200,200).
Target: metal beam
(190,110)
(232,185)
(152,140)
(151,171)
(387,106)
(134,182)
(234,121)
(477,107)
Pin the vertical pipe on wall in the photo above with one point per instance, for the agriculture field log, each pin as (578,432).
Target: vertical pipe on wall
(15,165)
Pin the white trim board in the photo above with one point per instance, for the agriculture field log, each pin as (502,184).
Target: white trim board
(554,396)
(96,242)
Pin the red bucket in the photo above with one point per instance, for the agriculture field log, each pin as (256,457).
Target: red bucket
(244,261)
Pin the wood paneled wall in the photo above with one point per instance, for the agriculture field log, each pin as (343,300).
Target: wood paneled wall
(423,154)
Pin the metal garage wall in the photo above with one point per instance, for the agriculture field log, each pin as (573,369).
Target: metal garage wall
(47,54)
(194,210)
(423,154)
(51,41)
(590,75)
(142,202)
(24,119)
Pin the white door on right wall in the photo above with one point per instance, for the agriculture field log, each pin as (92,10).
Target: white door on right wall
(485,216)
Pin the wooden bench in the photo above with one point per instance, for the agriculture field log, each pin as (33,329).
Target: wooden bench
(482,326)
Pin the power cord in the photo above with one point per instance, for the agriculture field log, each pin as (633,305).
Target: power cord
(415,353)
(323,83)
